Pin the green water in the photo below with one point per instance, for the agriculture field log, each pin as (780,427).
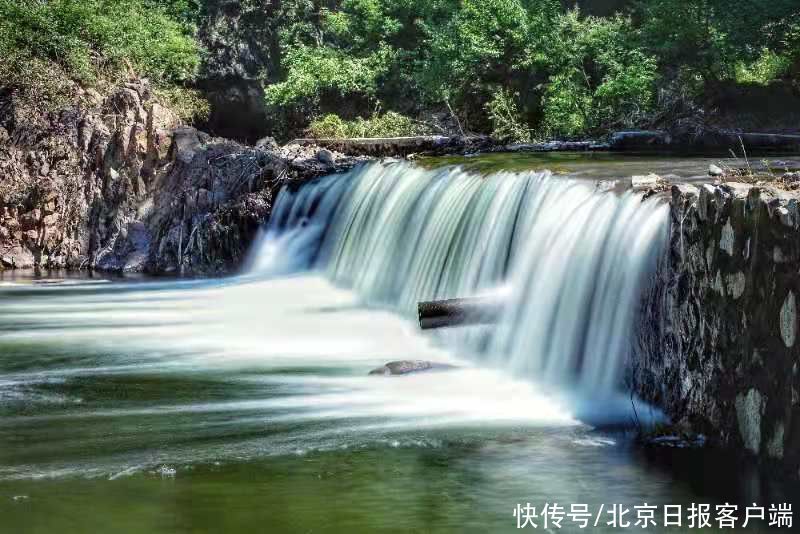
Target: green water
(612,166)
(244,406)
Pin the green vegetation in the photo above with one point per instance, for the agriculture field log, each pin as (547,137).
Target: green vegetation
(515,69)
(512,67)
(43,44)
(390,124)
(506,124)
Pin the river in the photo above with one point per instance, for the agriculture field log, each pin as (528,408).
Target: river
(244,404)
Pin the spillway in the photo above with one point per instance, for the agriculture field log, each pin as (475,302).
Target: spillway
(571,256)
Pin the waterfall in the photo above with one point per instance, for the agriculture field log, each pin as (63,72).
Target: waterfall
(571,256)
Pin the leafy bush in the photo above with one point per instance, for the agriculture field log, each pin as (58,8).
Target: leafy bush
(88,40)
(507,125)
(600,78)
(390,124)
(314,71)
(768,67)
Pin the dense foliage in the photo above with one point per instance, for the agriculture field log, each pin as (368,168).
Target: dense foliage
(44,43)
(389,124)
(516,68)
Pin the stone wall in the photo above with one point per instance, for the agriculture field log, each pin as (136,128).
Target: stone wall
(719,347)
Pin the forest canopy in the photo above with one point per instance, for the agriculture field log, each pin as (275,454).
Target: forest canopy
(515,68)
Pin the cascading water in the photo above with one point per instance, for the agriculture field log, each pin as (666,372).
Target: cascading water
(572,257)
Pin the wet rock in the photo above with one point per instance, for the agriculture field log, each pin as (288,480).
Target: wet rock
(736,285)
(677,441)
(788,320)
(406,367)
(714,170)
(748,414)
(727,238)
(325,156)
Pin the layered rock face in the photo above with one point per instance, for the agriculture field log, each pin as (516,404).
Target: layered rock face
(117,184)
(70,183)
(719,348)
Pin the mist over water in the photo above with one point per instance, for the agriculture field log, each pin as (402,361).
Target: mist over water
(219,368)
(244,404)
(570,259)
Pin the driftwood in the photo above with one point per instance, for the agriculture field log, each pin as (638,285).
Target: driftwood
(459,312)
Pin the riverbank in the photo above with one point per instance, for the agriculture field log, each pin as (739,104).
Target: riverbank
(118,183)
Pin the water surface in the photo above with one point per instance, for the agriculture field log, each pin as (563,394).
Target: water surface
(244,404)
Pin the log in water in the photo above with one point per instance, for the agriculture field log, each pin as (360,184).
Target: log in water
(459,312)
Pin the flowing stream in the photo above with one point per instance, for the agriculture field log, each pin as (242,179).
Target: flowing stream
(245,404)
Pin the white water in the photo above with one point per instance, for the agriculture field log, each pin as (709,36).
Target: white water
(572,258)
(102,379)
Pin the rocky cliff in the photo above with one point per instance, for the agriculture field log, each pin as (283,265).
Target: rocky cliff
(719,349)
(116,183)
(242,49)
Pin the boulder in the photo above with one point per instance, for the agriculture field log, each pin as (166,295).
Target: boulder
(406,367)
(325,156)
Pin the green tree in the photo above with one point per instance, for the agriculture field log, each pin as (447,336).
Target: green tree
(600,78)
(709,38)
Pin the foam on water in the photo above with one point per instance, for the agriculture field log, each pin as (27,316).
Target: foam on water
(572,259)
(178,372)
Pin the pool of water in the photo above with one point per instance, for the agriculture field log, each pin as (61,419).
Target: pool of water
(245,405)
(612,166)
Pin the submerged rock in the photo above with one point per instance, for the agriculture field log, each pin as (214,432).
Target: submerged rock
(405,367)
(677,442)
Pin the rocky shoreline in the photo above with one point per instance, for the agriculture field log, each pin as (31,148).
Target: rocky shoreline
(118,184)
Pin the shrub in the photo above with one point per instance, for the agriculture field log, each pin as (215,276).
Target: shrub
(390,124)
(314,71)
(93,39)
(506,123)
(768,67)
